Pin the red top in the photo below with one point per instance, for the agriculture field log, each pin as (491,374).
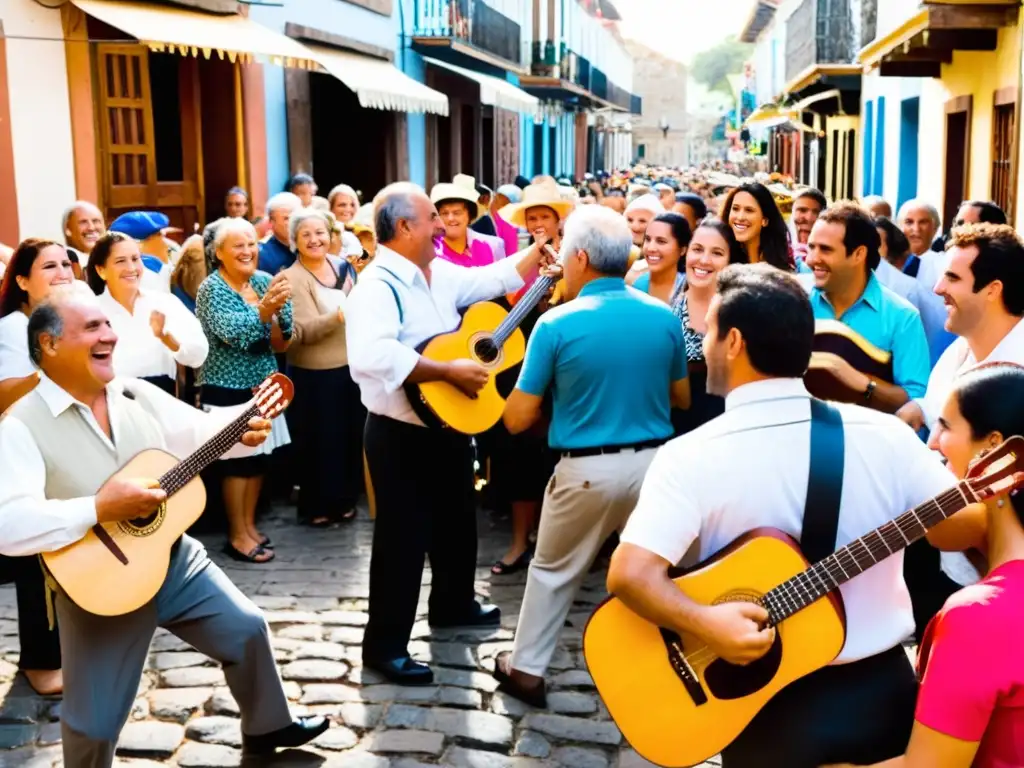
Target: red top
(973,662)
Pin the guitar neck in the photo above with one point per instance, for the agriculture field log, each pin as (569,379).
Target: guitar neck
(181,474)
(522,308)
(856,557)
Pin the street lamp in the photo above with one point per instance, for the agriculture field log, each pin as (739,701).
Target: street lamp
(663,124)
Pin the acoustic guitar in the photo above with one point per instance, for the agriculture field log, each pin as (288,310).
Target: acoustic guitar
(118,567)
(489,336)
(677,703)
(836,339)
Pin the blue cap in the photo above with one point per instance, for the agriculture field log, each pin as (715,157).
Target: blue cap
(139,225)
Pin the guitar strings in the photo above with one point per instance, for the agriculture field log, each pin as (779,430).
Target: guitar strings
(790,588)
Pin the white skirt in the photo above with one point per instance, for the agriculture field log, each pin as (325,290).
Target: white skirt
(279,435)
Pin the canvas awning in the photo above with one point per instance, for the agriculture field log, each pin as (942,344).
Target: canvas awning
(169,29)
(379,84)
(494,91)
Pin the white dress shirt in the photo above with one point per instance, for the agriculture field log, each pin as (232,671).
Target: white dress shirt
(749,469)
(901,284)
(958,358)
(382,342)
(138,352)
(14,360)
(29,522)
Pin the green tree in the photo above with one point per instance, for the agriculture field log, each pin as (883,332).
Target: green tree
(713,66)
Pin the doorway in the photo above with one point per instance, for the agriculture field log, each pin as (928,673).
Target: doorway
(351,144)
(957,155)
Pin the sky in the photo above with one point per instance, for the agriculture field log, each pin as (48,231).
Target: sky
(681,28)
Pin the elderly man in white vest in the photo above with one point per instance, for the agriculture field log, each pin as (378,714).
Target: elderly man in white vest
(57,445)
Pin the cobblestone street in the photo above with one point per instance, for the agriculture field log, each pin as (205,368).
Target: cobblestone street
(314,597)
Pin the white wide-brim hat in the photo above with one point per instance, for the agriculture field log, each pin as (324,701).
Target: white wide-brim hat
(463,189)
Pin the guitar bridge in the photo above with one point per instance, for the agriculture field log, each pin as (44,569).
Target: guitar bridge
(684,671)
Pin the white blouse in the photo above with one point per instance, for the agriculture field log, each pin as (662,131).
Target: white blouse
(141,354)
(14,360)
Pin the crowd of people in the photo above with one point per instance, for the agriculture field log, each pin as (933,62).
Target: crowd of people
(662,396)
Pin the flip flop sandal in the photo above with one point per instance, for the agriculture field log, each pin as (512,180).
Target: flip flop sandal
(255,552)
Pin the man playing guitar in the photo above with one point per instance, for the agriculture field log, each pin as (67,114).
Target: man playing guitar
(57,444)
(842,253)
(749,468)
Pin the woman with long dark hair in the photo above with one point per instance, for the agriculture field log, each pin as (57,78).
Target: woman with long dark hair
(36,268)
(712,248)
(155,331)
(664,249)
(756,221)
(970,709)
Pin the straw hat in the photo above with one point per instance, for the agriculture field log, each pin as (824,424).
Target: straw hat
(463,189)
(544,194)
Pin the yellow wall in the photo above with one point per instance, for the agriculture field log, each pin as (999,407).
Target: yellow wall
(979,74)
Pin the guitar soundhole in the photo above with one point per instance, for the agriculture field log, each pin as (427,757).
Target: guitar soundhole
(486,351)
(729,681)
(144,526)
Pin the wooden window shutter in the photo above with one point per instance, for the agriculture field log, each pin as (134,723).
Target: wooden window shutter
(128,148)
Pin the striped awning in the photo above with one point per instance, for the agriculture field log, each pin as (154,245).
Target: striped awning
(494,91)
(379,84)
(170,29)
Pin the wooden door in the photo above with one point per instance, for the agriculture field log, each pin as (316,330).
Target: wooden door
(130,145)
(128,149)
(506,147)
(958,147)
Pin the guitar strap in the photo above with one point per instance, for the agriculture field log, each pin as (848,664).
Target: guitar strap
(394,292)
(825,482)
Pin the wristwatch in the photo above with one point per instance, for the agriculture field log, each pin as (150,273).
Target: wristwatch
(870,391)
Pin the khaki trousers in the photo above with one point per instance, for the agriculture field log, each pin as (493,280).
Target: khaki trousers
(585,501)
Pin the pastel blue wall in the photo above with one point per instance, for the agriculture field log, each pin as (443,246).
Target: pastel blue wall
(332,16)
(413,65)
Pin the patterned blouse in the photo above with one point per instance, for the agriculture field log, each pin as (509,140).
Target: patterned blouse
(240,352)
(694,339)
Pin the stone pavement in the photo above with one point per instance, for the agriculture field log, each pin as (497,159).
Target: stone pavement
(314,597)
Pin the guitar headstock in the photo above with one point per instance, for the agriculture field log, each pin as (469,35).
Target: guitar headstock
(274,395)
(999,471)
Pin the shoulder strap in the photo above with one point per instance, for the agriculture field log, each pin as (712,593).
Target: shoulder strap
(394,291)
(825,482)
(913,267)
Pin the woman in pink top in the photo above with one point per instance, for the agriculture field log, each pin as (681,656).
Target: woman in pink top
(458,207)
(970,710)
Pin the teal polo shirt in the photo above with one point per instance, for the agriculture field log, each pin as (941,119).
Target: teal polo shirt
(891,323)
(609,357)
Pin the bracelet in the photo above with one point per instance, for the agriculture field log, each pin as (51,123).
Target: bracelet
(870,390)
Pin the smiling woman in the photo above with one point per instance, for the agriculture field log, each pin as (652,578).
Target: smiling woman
(156,332)
(248,316)
(327,420)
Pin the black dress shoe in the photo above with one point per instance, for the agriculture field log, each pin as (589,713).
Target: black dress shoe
(480,616)
(300,732)
(402,670)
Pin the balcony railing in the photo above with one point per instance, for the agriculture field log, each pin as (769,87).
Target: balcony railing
(470,21)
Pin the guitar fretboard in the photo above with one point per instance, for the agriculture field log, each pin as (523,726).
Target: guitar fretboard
(856,557)
(519,312)
(178,477)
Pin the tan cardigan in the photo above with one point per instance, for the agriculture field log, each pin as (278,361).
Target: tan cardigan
(318,342)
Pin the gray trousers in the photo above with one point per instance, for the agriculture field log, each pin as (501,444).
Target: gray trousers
(586,500)
(104,656)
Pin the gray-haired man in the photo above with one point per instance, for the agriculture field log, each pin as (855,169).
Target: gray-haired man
(422,477)
(615,359)
(276,251)
(57,444)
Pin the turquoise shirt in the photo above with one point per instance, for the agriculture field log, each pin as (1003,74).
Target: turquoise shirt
(609,357)
(891,323)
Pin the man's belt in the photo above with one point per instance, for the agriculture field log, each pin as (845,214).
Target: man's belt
(579,453)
